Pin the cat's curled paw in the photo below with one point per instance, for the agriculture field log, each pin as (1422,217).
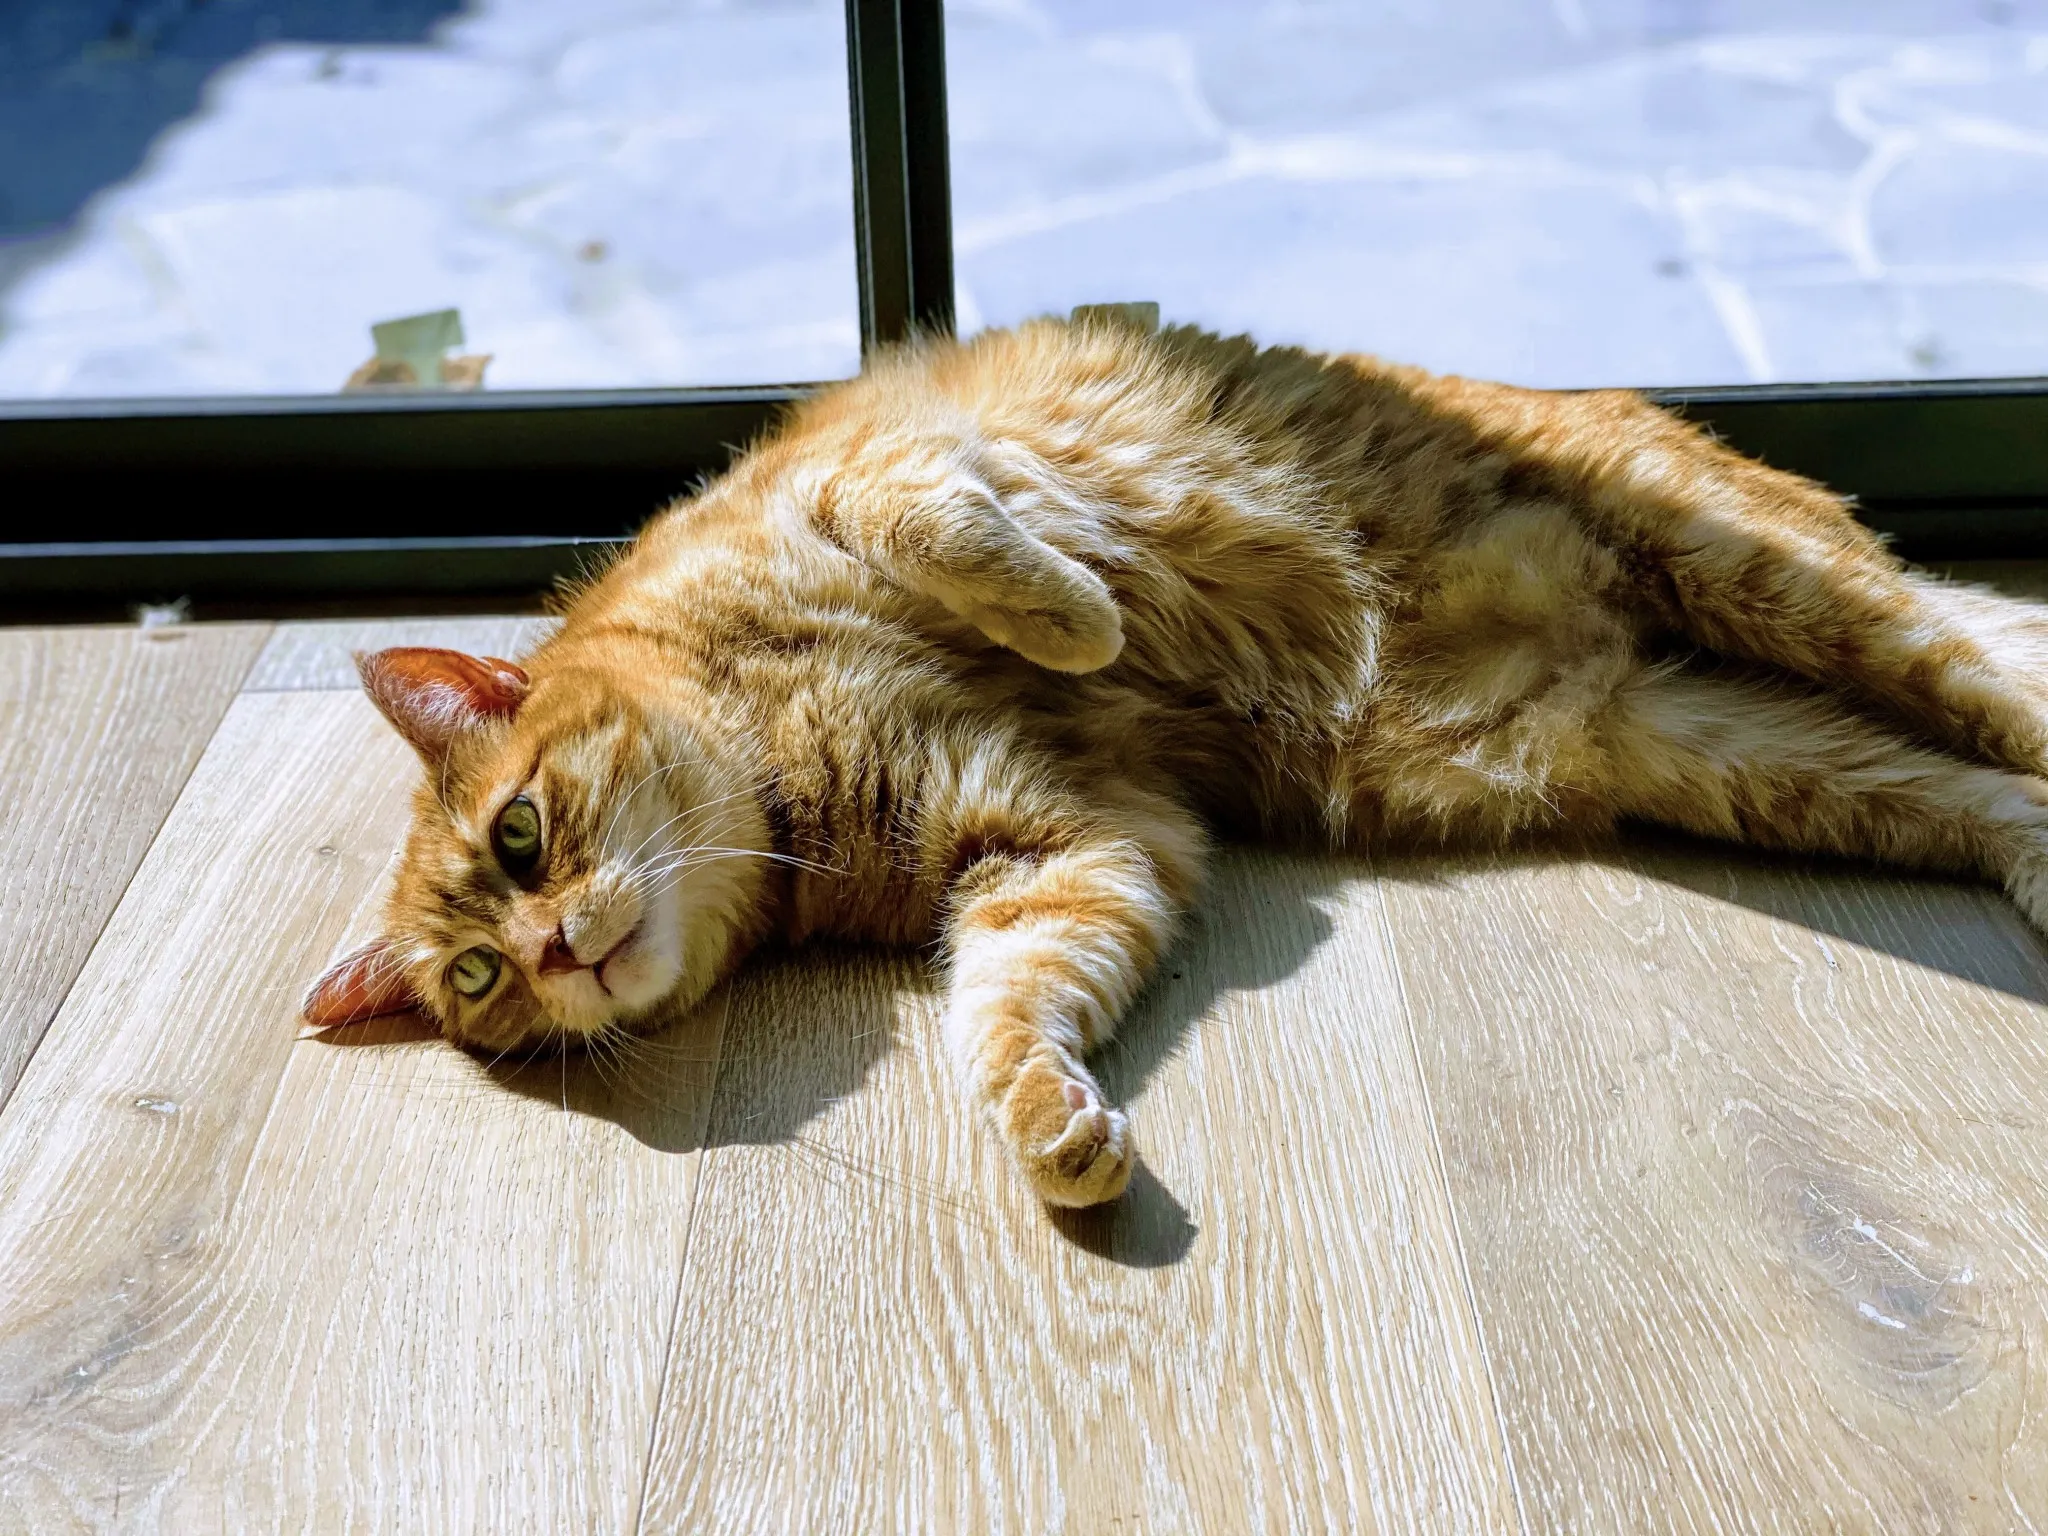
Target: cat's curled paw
(1081,632)
(1006,581)
(1075,1149)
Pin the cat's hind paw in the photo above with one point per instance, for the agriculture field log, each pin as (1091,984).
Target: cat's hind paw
(1075,1149)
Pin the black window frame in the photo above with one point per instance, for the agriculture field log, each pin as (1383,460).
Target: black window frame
(249,500)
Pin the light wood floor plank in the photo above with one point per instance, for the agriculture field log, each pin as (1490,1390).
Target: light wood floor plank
(99,728)
(1748,1166)
(249,1282)
(318,653)
(880,1331)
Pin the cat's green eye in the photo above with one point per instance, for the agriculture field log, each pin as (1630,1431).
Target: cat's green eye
(474,970)
(516,837)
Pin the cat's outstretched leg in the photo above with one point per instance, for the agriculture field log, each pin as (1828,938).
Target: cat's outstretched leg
(1766,566)
(1777,766)
(1048,949)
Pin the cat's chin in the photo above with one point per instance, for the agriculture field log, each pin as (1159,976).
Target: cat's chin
(642,969)
(640,974)
(632,988)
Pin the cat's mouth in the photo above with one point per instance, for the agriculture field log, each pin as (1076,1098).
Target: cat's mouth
(623,950)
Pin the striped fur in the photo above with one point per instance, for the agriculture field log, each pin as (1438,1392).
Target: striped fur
(984,646)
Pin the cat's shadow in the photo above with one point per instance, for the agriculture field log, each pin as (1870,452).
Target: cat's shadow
(768,1055)
(798,1034)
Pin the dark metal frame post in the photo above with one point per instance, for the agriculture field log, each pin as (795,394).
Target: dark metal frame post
(902,182)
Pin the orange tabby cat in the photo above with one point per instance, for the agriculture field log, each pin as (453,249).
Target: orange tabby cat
(983,645)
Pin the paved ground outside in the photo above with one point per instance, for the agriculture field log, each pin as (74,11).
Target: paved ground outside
(221,196)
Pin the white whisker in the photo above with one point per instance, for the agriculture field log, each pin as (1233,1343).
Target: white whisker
(685,817)
(627,798)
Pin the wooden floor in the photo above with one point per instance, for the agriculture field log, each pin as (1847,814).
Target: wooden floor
(1666,1189)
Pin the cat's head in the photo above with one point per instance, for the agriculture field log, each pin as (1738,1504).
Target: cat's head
(578,857)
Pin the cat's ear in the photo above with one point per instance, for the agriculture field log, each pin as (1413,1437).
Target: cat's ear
(433,696)
(361,985)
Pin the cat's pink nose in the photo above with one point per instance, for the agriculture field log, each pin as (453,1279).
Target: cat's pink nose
(558,957)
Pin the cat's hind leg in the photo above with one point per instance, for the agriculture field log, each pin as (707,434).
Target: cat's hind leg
(1752,582)
(1778,765)
(1053,929)
(1765,566)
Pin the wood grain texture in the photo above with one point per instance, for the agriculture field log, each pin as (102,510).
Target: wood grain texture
(1663,1189)
(317,653)
(251,1282)
(99,728)
(1747,1162)
(881,1331)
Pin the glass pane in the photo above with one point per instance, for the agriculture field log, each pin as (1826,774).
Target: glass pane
(224,196)
(1554,192)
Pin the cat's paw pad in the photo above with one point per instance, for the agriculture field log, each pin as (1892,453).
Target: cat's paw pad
(1075,1149)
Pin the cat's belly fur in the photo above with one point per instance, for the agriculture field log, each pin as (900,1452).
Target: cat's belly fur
(1449,702)
(1365,627)
(1452,710)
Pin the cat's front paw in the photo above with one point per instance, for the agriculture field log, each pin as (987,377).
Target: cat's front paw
(1075,1149)
(1013,586)
(1080,632)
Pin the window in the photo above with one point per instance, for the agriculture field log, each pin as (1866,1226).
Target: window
(1805,222)
(223,197)
(1554,192)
